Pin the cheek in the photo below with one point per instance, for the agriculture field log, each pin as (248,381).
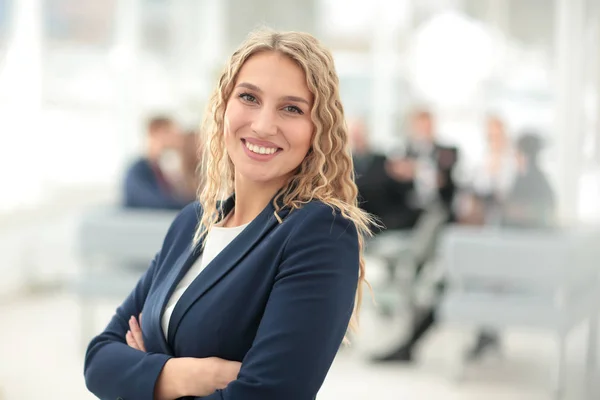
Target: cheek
(232,120)
(302,139)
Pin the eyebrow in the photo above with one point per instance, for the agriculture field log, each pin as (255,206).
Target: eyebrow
(287,98)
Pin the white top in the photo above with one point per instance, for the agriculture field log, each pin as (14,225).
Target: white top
(426,173)
(485,183)
(218,238)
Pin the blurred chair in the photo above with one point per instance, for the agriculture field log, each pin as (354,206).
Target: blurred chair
(410,287)
(523,278)
(115,246)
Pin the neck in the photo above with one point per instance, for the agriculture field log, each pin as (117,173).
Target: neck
(499,150)
(250,200)
(153,153)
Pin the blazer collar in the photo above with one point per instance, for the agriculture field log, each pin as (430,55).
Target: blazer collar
(223,263)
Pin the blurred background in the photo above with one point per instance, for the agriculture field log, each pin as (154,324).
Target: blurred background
(99,104)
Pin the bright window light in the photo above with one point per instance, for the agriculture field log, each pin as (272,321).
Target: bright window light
(450,56)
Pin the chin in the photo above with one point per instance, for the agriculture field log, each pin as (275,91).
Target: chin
(267,178)
(252,175)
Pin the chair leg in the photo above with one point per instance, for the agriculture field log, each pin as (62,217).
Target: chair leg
(460,372)
(86,320)
(592,352)
(561,367)
(458,366)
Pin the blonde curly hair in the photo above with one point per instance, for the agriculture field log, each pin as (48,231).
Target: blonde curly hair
(326,174)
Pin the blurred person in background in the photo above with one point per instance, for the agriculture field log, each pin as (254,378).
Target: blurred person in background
(492,182)
(184,175)
(493,178)
(250,297)
(148,182)
(374,184)
(424,181)
(423,173)
(529,203)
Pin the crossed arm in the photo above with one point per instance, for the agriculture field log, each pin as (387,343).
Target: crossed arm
(305,320)
(118,366)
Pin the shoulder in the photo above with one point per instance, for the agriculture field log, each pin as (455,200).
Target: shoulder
(319,221)
(379,159)
(139,164)
(320,239)
(184,225)
(138,167)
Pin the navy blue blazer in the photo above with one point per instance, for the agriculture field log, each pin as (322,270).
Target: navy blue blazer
(142,189)
(278,299)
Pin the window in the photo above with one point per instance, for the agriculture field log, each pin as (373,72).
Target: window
(79,22)
(5,19)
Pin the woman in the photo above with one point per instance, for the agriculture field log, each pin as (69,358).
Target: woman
(531,201)
(494,177)
(267,278)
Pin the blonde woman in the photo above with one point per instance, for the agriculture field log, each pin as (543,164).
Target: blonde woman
(250,297)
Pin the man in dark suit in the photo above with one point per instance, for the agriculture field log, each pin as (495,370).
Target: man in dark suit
(423,179)
(423,174)
(376,193)
(146,183)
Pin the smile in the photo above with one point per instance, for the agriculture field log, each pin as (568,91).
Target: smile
(260,149)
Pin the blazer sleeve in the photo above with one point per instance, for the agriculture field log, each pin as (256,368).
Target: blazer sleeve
(112,369)
(307,313)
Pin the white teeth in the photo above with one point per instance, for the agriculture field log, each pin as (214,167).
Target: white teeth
(259,149)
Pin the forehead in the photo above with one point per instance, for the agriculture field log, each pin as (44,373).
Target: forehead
(275,73)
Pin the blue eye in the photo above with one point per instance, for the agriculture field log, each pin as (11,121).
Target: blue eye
(293,109)
(247,97)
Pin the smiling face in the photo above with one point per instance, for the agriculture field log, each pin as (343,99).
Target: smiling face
(267,124)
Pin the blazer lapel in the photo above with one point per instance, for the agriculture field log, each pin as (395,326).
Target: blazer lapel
(166,290)
(186,260)
(224,262)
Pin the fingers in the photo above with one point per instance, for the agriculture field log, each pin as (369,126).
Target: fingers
(131,341)
(136,332)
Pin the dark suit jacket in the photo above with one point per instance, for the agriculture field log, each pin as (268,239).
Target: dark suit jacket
(531,202)
(278,298)
(445,159)
(379,194)
(144,189)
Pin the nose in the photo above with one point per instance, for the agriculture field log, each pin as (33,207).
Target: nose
(265,122)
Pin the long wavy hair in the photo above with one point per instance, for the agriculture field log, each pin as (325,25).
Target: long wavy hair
(326,174)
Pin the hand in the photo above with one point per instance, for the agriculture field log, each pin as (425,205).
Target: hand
(198,377)
(219,372)
(403,170)
(186,376)
(134,337)
(225,372)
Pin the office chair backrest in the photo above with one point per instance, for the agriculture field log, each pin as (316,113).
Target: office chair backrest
(133,236)
(519,260)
